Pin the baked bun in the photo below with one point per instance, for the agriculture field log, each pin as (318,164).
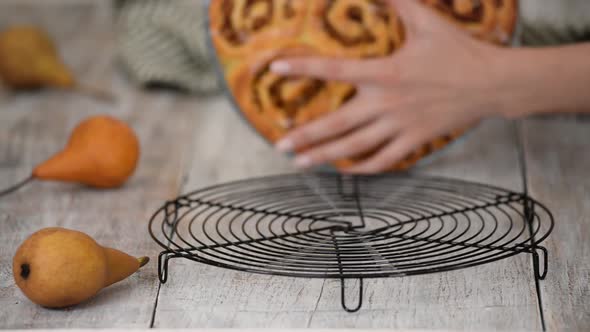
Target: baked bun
(490,20)
(250,34)
(242,27)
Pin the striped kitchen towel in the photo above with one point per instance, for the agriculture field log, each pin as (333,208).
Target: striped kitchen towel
(554,22)
(164,42)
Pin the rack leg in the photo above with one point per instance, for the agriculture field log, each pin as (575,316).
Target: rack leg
(163,260)
(343,296)
(529,213)
(540,260)
(347,187)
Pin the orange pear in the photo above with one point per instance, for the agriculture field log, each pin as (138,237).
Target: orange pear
(58,268)
(102,152)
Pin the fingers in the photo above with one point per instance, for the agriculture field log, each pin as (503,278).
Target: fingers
(345,70)
(350,116)
(390,155)
(360,141)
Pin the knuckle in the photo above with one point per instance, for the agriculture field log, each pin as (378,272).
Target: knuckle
(340,121)
(391,120)
(326,154)
(383,101)
(319,155)
(301,138)
(296,65)
(381,166)
(307,66)
(398,74)
(382,76)
(371,167)
(332,67)
(359,143)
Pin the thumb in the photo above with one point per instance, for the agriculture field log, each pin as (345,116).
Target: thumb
(416,16)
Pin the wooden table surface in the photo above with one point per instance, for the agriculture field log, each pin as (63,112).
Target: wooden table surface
(191,142)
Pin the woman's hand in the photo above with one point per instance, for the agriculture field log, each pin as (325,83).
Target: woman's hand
(440,80)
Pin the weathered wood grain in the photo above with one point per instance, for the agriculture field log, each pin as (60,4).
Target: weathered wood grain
(558,163)
(35,125)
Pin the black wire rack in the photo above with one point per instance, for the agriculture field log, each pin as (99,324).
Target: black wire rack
(351,227)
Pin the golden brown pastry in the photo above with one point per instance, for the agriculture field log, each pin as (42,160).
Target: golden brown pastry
(240,27)
(250,34)
(491,20)
(354,28)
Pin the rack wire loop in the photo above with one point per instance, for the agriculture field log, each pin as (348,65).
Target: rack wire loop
(540,260)
(343,296)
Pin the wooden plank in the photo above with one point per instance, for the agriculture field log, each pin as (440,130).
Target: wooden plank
(557,170)
(496,296)
(34,126)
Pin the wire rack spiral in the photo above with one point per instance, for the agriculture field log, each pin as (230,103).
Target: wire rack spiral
(333,226)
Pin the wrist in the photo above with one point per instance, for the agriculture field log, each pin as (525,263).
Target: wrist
(527,81)
(515,83)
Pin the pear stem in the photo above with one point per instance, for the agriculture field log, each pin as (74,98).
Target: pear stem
(143,261)
(95,92)
(16,187)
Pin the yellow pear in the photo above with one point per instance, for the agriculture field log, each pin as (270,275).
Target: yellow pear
(29,59)
(57,267)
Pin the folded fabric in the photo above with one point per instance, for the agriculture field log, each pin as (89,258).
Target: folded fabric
(553,22)
(164,42)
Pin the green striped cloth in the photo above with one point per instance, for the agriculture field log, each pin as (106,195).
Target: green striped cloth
(553,22)
(163,42)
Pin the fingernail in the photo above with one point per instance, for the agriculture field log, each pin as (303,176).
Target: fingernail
(280,67)
(285,145)
(303,162)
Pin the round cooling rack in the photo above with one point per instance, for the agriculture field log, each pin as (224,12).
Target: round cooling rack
(334,226)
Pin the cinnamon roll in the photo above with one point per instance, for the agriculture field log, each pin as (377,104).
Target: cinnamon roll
(239,27)
(491,20)
(354,28)
(250,34)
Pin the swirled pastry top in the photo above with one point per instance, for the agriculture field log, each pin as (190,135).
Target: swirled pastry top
(249,35)
(492,20)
